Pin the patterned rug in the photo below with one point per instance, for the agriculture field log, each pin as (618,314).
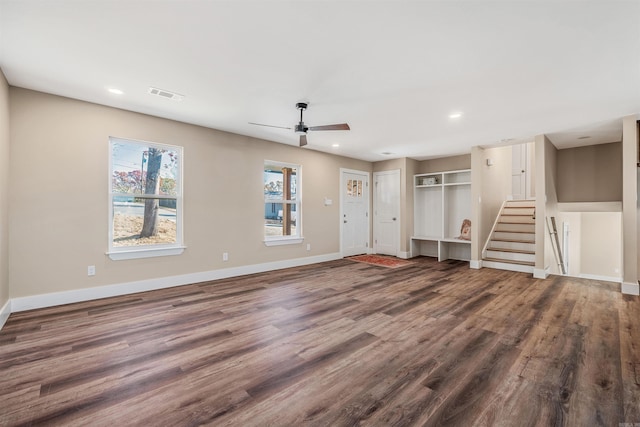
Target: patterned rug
(381,260)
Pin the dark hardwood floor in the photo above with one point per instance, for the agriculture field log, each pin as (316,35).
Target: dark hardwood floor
(332,344)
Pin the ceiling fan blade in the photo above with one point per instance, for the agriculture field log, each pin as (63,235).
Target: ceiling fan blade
(269,126)
(303,140)
(341,126)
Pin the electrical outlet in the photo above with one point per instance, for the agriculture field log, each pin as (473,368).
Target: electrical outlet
(225,256)
(308,246)
(91,270)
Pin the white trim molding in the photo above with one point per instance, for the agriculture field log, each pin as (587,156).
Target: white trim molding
(476,264)
(601,278)
(284,241)
(88,294)
(630,288)
(145,253)
(540,273)
(5,312)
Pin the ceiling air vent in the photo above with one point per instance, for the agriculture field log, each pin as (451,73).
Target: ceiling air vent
(165,94)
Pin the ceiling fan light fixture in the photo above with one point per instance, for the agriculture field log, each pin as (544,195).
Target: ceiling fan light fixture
(301,128)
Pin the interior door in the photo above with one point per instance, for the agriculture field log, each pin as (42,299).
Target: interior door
(386,200)
(354,212)
(518,171)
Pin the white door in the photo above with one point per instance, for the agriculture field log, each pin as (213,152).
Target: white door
(518,171)
(354,212)
(386,202)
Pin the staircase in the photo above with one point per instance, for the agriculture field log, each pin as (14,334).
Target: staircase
(512,243)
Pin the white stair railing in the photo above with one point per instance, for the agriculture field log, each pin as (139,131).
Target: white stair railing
(555,243)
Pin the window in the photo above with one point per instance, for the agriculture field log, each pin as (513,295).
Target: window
(145,191)
(282,203)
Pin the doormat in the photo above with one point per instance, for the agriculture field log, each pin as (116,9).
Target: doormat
(381,260)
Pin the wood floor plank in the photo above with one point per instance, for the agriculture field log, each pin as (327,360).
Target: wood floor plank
(335,343)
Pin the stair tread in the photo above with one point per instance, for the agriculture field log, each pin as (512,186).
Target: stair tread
(515,231)
(509,261)
(518,251)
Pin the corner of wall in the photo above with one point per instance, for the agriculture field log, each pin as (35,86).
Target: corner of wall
(630,288)
(630,201)
(4,190)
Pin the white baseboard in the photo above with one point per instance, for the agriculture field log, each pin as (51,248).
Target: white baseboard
(601,278)
(539,273)
(87,294)
(5,312)
(630,288)
(507,266)
(404,255)
(476,264)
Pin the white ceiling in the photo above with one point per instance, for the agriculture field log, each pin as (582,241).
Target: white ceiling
(394,70)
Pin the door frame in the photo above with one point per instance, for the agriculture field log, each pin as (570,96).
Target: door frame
(397,172)
(343,186)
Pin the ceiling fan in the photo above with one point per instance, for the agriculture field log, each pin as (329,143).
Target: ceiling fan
(302,129)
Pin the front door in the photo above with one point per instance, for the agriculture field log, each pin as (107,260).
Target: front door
(386,201)
(354,212)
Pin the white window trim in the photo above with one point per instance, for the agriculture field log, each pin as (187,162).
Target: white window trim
(147,251)
(281,241)
(287,240)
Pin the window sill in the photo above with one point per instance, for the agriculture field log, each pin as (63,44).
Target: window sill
(145,253)
(280,242)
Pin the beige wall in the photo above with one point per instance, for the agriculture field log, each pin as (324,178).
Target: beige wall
(601,244)
(630,202)
(590,174)
(496,187)
(551,203)
(412,169)
(59,205)
(444,164)
(595,243)
(4,190)
(546,200)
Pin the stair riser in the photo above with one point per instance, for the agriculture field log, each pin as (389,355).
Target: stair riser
(513,236)
(523,228)
(518,219)
(496,244)
(519,211)
(510,267)
(511,256)
(520,203)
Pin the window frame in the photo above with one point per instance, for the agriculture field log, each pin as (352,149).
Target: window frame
(150,250)
(297,202)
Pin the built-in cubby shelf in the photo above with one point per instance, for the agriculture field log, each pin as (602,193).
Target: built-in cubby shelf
(442,201)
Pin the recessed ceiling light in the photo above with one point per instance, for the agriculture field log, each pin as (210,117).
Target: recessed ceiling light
(335,145)
(386,153)
(115,91)
(455,115)
(584,137)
